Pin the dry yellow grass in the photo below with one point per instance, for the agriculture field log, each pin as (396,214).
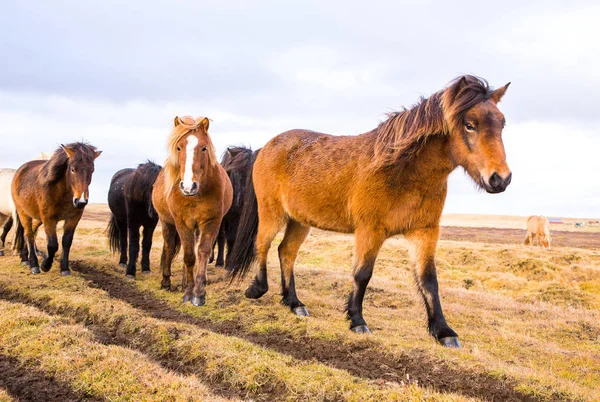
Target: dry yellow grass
(527,318)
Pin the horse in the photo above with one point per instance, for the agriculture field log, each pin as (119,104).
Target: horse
(46,192)
(538,227)
(8,213)
(191,195)
(236,162)
(130,203)
(391,180)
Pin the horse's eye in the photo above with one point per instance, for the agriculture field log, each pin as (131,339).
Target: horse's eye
(203,149)
(469,127)
(178,149)
(72,170)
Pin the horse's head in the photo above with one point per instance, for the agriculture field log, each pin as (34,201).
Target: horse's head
(80,167)
(194,154)
(475,125)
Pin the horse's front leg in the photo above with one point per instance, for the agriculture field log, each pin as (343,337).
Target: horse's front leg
(188,242)
(208,233)
(424,244)
(368,243)
(52,241)
(6,223)
(67,241)
(147,245)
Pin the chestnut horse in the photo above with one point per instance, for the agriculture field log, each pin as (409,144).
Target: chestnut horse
(46,192)
(389,181)
(130,203)
(191,195)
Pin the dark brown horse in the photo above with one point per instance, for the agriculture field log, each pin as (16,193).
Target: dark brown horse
(191,195)
(130,203)
(237,163)
(46,192)
(389,181)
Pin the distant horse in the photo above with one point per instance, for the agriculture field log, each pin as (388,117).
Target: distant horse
(191,195)
(130,203)
(237,163)
(391,180)
(46,192)
(538,227)
(8,213)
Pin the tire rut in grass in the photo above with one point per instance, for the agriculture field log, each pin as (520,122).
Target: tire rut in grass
(359,360)
(29,384)
(111,336)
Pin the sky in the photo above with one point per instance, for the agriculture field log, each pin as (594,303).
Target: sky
(116,74)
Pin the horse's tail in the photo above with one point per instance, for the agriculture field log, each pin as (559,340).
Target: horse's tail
(114,237)
(243,253)
(19,235)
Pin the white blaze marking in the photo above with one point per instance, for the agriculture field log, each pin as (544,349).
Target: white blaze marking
(192,141)
(82,198)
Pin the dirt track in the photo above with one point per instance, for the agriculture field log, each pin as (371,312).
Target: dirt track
(512,236)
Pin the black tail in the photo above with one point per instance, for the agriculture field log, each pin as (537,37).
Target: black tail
(114,239)
(242,256)
(19,236)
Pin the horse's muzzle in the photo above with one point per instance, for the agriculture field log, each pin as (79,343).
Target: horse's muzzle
(496,184)
(193,190)
(77,203)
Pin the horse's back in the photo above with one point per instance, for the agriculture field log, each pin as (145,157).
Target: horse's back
(116,195)
(538,225)
(311,176)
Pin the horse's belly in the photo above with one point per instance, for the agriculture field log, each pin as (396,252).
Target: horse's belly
(319,214)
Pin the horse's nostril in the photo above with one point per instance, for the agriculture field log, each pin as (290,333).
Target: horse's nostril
(194,187)
(495,180)
(181,185)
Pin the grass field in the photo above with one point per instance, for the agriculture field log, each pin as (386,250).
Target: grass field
(528,320)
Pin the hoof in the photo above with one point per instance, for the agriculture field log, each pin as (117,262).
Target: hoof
(254,293)
(65,273)
(301,311)
(1,253)
(44,268)
(146,272)
(25,263)
(122,265)
(450,342)
(35,270)
(361,329)
(129,276)
(186,298)
(199,300)
(165,286)
(219,265)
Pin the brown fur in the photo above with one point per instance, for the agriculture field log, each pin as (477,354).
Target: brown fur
(194,220)
(45,193)
(538,228)
(389,181)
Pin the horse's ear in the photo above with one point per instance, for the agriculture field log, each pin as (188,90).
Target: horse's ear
(67,150)
(499,93)
(205,123)
(176,121)
(97,154)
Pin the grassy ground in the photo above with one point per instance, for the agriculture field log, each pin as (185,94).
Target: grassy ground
(527,318)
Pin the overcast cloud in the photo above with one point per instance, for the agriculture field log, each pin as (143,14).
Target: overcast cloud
(116,74)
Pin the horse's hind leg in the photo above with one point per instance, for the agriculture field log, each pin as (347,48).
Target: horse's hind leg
(122,228)
(220,246)
(5,229)
(170,238)
(133,228)
(30,241)
(368,243)
(268,227)
(52,242)
(147,245)
(295,234)
(424,244)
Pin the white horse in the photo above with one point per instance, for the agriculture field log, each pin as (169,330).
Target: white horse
(8,212)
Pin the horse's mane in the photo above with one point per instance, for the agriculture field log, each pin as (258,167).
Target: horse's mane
(184,126)
(56,167)
(236,162)
(404,133)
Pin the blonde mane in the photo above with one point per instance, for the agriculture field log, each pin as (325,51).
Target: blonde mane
(182,127)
